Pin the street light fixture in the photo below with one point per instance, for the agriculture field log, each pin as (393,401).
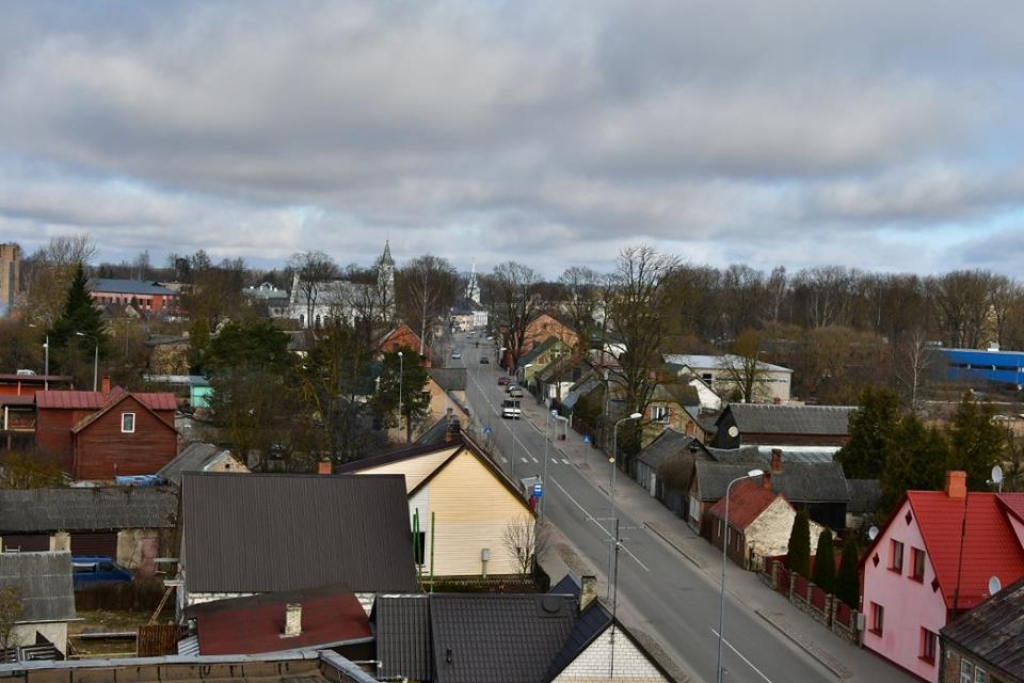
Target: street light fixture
(611,460)
(401,372)
(95,359)
(46,360)
(547,438)
(725,545)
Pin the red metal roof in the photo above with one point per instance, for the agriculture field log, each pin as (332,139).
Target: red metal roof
(96,400)
(1013,503)
(254,625)
(989,546)
(747,500)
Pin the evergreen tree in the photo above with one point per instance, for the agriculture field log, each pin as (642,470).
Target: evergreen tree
(80,322)
(915,460)
(871,429)
(824,575)
(407,376)
(848,579)
(976,442)
(799,553)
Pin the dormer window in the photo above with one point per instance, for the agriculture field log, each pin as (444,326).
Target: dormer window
(127,423)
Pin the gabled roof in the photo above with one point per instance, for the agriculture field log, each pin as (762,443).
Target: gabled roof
(764,418)
(799,482)
(116,399)
(403,335)
(747,500)
(97,400)
(579,391)
(87,509)
(671,442)
(257,533)
(763,454)
(539,349)
(592,622)
(449,379)
(331,615)
(402,627)
(43,582)
(994,631)
(195,457)
(990,547)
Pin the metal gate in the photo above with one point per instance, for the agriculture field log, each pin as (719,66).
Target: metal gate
(98,543)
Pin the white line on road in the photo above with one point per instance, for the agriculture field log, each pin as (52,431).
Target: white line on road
(599,525)
(565,462)
(756,670)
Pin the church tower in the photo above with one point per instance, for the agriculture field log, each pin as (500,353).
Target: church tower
(473,286)
(386,283)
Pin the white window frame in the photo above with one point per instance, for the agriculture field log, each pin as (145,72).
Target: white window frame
(128,417)
(660,414)
(966,671)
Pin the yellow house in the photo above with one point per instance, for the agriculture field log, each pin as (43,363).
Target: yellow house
(472,503)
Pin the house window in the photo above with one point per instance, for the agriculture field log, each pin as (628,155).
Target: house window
(877,618)
(928,642)
(917,564)
(127,423)
(980,676)
(659,413)
(896,556)
(966,671)
(707,377)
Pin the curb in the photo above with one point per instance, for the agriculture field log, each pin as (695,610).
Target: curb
(823,658)
(658,532)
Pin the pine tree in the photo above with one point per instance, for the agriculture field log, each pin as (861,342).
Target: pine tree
(871,428)
(80,318)
(976,443)
(848,579)
(824,575)
(799,554)
(915,460)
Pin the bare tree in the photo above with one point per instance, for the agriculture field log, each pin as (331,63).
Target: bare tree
(962,299)
(515,297)
(313,270)
(912,372)
(744,370)
(427,288)
(10,612)
(584,291)
(48,273)
(526,540)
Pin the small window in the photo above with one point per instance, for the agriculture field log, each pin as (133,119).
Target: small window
(877,618)
(980,676)
(896,556)
(966,671)
(127,423)
(917,567)
(659,413)
(928,643)
(708,378)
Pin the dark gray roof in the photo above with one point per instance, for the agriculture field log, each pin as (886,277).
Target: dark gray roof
(865,495)
(763,454)
(43,582)
(669,443)
(194,458)
(256,533)
(994,631)
(799,482)
(757,418)
(579,391)
(88,509)
(537,350)
(592,622)
(402,629)
(128,287)
(449,379)
(499,638)
(569,585)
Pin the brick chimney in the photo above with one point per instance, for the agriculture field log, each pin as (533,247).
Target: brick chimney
(324,467)
(956,484)
(776,461)
(105,384)
(292,620)
(588,591)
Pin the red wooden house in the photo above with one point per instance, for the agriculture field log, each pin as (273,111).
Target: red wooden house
(99,435)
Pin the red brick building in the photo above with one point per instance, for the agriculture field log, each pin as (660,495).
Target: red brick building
(99,435)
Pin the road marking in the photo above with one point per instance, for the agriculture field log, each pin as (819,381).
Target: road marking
(740,655)
(533,459)
(565,462)
(599,525)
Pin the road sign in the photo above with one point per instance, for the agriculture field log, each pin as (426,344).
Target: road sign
(487,431)
(538,490)
(586,438)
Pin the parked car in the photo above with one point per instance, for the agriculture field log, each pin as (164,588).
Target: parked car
(484,360)
(515,391)
(93,570)
(456,355)
(510,409)
(504,380)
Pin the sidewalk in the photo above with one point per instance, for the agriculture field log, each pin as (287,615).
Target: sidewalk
(844,660)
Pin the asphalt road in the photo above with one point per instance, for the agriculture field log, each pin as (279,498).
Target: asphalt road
(666,595)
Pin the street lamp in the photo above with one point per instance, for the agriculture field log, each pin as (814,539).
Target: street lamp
(401,372)
(611,460)
(46,360)
(725,545)
(95,359)
(547,438)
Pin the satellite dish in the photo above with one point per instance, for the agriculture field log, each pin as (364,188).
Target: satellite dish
(873,532)
(994,586)
(997,475)
(734,431)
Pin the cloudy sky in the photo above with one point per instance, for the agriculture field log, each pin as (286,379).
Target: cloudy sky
(874,134)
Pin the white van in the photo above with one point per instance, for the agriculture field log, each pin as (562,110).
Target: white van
(510,409)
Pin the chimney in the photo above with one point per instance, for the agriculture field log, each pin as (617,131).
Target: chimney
(766,481)
(776,461)
(956,484)
(105,384)
(292,620)
(324,467)
(588,590)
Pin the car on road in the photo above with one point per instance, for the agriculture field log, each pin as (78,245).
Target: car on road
(510,409)
(484,360)
(504,380)
(456,355)
(515,391)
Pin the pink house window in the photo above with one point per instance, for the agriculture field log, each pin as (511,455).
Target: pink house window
(917,564)
(928,646)
(877,618)
(896,556)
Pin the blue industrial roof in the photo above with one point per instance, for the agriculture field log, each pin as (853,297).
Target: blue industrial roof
(993,366)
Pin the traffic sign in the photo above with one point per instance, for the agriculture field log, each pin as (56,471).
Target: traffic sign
(538,490)
(487,431)
(586,438)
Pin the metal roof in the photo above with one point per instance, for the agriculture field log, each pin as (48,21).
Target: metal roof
(114,286)
(193,458)
(705,362)
(994,631)
(800,482)
(96,400)
(257,533)
(43,582)
(403,636)
(747,500)
(87,509)
(667,444)
(764,418)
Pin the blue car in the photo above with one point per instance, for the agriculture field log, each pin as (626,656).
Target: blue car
(88,571)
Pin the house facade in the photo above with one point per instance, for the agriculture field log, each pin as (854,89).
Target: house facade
(748,424)
(984,644)
(43,584)
(772,382)
(145,297)
(934,560)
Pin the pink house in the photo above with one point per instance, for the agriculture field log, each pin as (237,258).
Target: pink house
(932,561)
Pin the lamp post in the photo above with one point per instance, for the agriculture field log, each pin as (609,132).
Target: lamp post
(401,372)
(46,363)
(611,460)
(95,359)
(544,480)
(725,545)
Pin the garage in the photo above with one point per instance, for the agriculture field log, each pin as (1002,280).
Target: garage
(27,543)
(94,543)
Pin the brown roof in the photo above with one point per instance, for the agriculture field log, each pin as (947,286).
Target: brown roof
(747,500)
(258,533)
(96,400)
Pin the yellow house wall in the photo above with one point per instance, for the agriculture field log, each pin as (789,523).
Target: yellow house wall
(414,469)
(473,509)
